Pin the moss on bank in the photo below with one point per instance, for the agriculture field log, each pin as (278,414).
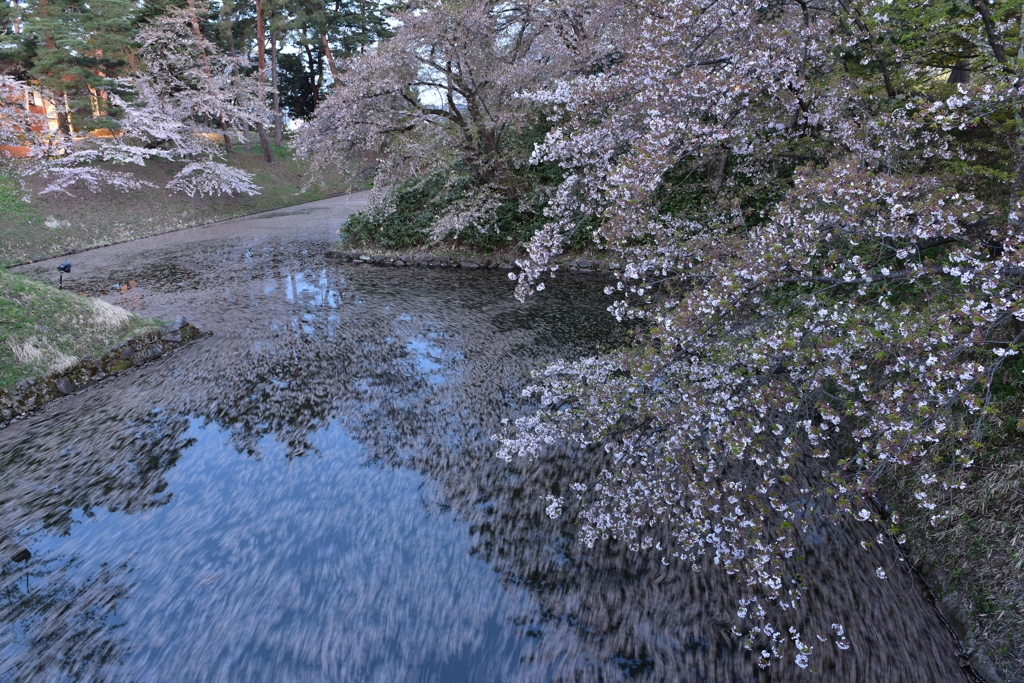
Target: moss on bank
(52,225)
(45,329)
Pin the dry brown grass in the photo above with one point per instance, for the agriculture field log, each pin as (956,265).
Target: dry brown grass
(48,330)
(976,556)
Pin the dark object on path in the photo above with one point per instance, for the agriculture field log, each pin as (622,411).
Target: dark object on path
(63,268)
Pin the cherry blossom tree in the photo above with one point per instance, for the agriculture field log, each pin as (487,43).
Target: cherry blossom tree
(444,92)
(184,81)
(821,295)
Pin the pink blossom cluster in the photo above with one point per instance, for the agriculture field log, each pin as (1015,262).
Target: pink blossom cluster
(802,332)
(445,93)
(184,82)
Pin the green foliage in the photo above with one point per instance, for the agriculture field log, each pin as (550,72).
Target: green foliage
(415,208)
(416,205)
(11,205)
(78,49)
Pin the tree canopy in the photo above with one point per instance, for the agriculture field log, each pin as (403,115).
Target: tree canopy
(116,82)
(816,209)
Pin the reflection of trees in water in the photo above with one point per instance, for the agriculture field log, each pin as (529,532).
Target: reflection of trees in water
(54,626)
(335,349)
(420,370)
(425,390)
(109,464)
(56,623)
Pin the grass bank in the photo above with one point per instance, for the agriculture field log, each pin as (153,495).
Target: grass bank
(45,329)
(53,225)
(974,558)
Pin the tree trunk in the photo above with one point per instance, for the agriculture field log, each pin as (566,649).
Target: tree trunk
(68,126)
(1019,120)
(362,27)
(316,74)
(227,138)
(960,73)
(264,143)
(206,68)
(278,119)
(63,117)
(246,140)
(716,169)
(261,50)
(330,57)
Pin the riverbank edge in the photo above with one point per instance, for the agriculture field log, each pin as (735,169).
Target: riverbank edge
(178,228)
(975,653)
(434,260)
(28,395)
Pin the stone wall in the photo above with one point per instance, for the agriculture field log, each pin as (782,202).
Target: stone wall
(29,394)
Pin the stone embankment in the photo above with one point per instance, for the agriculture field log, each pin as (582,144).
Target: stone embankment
(30,394)
(452,261)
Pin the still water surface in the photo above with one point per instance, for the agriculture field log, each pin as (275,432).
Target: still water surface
(311,495)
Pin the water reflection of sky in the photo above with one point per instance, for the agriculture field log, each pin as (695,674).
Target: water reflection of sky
(272,533)
(430,359)
(279,564)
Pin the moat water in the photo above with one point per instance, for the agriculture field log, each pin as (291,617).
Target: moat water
(311,494)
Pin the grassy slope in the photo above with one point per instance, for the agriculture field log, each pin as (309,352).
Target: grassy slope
(52,225)
(977,557)
(44,329)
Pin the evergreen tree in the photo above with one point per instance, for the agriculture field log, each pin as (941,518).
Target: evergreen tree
(76,50)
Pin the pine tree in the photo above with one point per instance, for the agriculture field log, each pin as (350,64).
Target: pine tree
(77,52)
(262,71)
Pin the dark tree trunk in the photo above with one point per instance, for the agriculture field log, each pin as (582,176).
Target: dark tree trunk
(330,57)
(265,143)
(246,141)
(227,138)
(261,50)
(278,118)
(316,73)
(960,73)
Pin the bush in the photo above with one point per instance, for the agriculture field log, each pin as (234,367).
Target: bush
(416,205)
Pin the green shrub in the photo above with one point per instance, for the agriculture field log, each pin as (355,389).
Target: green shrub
(417,204)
